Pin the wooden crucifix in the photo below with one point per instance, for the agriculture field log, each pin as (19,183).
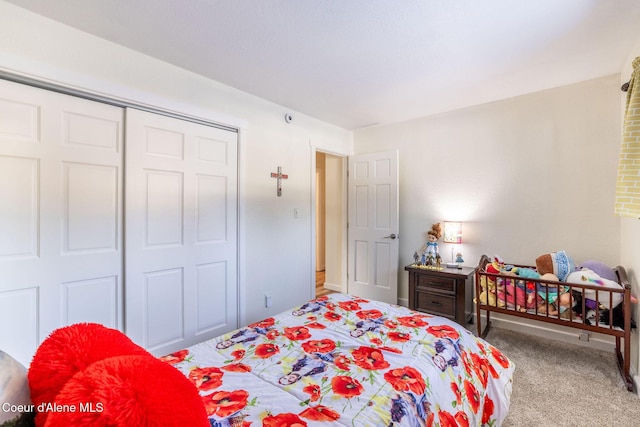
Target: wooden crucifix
(280,176)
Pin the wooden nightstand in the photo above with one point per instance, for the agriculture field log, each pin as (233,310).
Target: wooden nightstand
(447,292)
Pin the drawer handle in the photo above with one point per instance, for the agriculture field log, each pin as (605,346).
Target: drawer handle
(436,303)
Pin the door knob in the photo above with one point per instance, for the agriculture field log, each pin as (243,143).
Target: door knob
(390,236)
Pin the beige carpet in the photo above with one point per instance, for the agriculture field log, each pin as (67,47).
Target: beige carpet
(563,384)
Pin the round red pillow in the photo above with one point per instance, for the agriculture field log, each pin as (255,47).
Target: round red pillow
(69,350)
(125,391)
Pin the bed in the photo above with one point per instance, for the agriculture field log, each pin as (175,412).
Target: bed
(583,300)
(338,360)
(350,361)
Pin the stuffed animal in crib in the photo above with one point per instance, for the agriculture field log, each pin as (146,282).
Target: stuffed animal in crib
(558,263)
(560,305)
(488,295)
(517,295)
(555,299)
(526,273)
(507,291)
(604,271)
(526,287)
(589,277)
(496,266)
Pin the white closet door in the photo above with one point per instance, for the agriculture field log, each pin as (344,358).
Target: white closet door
(180,231)
(60,215)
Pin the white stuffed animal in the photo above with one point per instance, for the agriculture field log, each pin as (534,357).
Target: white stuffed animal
(589,277)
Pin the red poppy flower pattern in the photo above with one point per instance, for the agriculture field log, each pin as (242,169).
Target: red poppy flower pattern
(320,413)
(236,367)
(349,305)
(442,331)
(398,336)
(332,316)
(346,386)
(266,323)
(207,378)
(272,335)
(283,420)
(319,346)
(369,358)
(223,403)
(313,391)
(499,357)
(175,358)
(238,354)
(342,362)
(315,325)
(266,350)
(406,379)
(352,361)
(297,333)
(415,321)
(369,314)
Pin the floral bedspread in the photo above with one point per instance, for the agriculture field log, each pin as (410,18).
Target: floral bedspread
(349,361)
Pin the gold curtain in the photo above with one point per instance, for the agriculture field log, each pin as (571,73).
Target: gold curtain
(628,183)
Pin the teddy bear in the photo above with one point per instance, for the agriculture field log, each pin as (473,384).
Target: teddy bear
(489,294)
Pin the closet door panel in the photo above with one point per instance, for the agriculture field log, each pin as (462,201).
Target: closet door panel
(61,214)
(19,211)
(181,231)
(92,300)
(90,203)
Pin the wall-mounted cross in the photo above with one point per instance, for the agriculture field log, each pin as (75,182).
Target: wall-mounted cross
(280,176)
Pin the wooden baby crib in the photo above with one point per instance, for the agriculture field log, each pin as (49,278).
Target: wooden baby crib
(615,321)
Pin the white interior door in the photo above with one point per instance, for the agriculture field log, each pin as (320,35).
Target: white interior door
(181,231)
(60,215)
(373,226)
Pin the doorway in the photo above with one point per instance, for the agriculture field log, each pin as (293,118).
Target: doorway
(330,223)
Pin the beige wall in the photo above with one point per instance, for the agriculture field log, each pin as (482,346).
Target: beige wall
(527,175)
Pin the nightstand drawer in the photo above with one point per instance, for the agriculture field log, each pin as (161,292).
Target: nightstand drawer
(436,283)
(446,292)
(436,303)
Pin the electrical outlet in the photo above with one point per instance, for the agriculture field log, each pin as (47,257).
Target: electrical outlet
(584,336)
(267,300)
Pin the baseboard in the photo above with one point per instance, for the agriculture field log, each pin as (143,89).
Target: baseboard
(332,286)
(548,331)
(403,302)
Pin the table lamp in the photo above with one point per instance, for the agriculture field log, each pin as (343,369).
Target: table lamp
(452,234)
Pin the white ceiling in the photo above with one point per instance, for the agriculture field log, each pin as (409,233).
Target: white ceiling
(356,63)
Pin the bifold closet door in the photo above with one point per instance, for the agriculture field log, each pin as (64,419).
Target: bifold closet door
(60,215)
(180,231)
